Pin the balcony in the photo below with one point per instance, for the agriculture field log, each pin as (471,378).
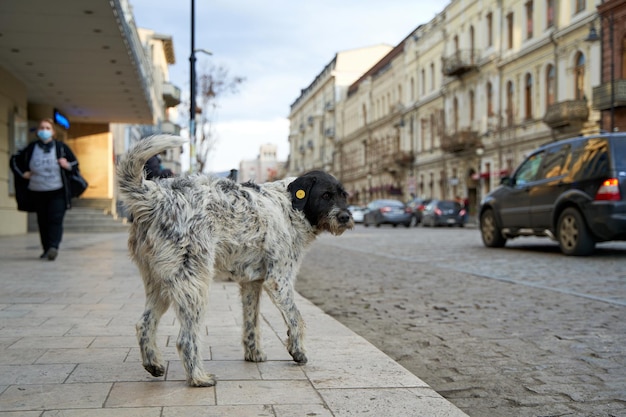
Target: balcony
(460,62)
(602,95)
(404,158)
(460,141)
(171,95)
(566,113)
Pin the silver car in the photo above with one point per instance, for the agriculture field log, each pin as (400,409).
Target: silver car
(391,212)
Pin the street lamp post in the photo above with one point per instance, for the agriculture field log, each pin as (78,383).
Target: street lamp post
(593,37)
(192,87)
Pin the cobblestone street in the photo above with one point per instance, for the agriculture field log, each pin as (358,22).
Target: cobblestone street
(514,332)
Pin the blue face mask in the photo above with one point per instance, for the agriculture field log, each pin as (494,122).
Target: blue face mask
(44,134)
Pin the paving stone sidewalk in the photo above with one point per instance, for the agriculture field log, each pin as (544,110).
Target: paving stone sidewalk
(68,348)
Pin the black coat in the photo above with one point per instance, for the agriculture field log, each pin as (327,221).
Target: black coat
(20,163)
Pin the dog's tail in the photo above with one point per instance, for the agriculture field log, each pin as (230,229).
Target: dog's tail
(130,171)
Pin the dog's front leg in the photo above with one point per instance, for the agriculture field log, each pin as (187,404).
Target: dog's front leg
(282,294)
(250,299)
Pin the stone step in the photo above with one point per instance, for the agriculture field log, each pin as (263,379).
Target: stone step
(85,220)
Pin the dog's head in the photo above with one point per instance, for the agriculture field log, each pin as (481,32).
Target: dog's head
(323,201)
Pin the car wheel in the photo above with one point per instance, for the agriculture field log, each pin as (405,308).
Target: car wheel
(573,235)
(407,225)
(490,232)
(395,225)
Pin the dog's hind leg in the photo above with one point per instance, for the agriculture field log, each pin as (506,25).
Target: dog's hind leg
(190,303)
(282,294)
(156,305)
(250,298)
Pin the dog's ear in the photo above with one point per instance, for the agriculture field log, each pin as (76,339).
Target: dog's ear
(300,189)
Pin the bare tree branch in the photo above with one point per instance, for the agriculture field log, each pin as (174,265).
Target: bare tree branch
(214,83)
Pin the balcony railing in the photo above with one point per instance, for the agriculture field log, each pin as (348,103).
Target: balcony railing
(460,62)
(602,95)
(459,141)
(171,95)
(564,113)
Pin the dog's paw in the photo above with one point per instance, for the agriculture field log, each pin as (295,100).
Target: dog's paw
(255,356)
(155,370)
(207,380)
(299,357)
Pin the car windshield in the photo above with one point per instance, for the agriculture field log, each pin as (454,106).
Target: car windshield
(449,205)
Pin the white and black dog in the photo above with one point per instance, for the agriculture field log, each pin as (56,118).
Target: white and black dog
(187,229)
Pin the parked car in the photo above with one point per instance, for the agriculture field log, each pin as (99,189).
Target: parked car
(417,206)
(443,213)
(357,213)
(573,191)
(391,212)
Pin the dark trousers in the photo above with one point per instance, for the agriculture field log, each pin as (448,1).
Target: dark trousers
(50,212)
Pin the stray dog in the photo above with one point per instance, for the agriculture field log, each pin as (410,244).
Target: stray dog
(185,230)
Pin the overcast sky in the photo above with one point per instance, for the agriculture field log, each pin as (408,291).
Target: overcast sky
(279,47)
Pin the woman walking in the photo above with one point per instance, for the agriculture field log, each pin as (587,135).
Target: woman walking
(43,167)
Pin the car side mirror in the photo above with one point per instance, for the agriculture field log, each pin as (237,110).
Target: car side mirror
(507,181)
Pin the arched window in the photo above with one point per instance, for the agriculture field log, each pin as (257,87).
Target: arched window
(489,100)
(510,92)
(528,97)
(550,85)
(579,77)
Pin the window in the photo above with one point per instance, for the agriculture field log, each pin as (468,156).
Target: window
(580,5)
(432,131)
(423,133)
(472,36)
(529,169)
(490,29)
(432,77)
(579,77)
(472,109)
(550,85)
(549,13)
(509,102)
(423,82)
(554,162)
(528,97)
(489,100)
(509,27)
(455,114)
(529,20)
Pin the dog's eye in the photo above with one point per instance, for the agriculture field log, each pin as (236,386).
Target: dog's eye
(326,196)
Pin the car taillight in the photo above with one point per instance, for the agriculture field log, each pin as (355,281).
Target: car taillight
(438,212)
(609,191)
(408,210)
(385,209)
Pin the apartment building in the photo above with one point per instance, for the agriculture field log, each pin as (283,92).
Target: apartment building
(313,115)
(459,102)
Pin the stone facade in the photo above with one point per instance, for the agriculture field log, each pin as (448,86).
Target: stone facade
(459,102)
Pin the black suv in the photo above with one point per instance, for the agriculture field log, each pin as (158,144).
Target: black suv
(573,191)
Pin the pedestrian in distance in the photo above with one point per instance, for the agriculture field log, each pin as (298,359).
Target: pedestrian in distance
(42,184)
(154,169)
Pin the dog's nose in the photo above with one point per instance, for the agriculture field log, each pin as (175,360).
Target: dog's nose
(344,217)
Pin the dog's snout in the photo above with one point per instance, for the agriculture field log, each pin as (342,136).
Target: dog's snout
(344,217)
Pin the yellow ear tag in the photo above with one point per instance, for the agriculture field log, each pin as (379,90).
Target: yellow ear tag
(300,194)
